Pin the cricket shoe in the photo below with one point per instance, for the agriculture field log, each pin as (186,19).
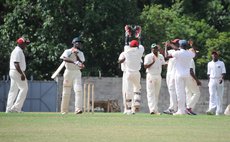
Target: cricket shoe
(210,111)
(217,114)
(78,111)
(189,111)
(130,112)
(64,113)
(14,111)
(155,113)
(169,111)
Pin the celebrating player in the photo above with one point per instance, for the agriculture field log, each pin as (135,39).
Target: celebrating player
(132,58)
(153,64)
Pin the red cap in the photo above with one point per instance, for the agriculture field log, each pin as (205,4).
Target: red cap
(134,43)
(175,40)
(21,40)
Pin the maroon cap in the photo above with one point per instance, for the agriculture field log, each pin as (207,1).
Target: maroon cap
(134,43)
(175,40)
(215,52)
(22,40)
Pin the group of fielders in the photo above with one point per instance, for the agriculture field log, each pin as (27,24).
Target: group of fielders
(178,57)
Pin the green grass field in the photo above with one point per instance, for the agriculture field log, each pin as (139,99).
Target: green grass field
(112,127)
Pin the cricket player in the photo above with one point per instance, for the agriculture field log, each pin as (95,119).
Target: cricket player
(19,85)
(153,64)
(124,83)
(74,62)
(192,89)
(216,72)
(132,59)
(170,75)
(124,80)
(183,58)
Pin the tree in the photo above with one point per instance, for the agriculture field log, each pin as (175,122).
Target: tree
(220,44)
(51,26)
(166,24)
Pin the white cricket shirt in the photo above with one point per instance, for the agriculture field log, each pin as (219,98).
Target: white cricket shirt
(156,68)
(69,55)
(133,58)
(183,59)
(216,69)
(17,55)
(122,56)
(171,63)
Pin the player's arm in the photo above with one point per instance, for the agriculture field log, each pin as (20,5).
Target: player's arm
(149,65)
(223,73)
(78,63)
(191,44)
(17,66)
(194,77)
(68,60)
(222,78)
(167,56)
(121,60)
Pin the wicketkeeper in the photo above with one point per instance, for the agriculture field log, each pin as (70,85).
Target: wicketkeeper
(131,60)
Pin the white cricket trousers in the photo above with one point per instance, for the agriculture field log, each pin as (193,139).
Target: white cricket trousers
(153,85)
(192,93)
(181,83)
(216,92)
(170,80)
(133,85)
(17,93)
(72,78)
(124,86)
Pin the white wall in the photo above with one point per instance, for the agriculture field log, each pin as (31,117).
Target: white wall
(109,88)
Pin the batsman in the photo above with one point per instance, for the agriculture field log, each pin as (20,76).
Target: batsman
(74,61)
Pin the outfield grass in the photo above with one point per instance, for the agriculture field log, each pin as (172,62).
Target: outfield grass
(112,127)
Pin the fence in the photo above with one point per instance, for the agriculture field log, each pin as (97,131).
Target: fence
(42,96)
(46,95)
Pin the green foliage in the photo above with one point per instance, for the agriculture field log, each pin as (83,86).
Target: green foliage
(220,44)
(166,24)
(51,26)
(214,12)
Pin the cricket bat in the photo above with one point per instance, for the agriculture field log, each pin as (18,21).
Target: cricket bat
(58,70)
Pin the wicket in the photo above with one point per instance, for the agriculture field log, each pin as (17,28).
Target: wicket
(88,93)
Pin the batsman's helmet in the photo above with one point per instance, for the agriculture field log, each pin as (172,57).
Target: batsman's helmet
(76,39)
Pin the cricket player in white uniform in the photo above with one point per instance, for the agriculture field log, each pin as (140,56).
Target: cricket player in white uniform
(170,76)
(153,64)
(132,58)
(192,89)
(183,58)
(124,82)
(19,85)
(74,59)
(216,72)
